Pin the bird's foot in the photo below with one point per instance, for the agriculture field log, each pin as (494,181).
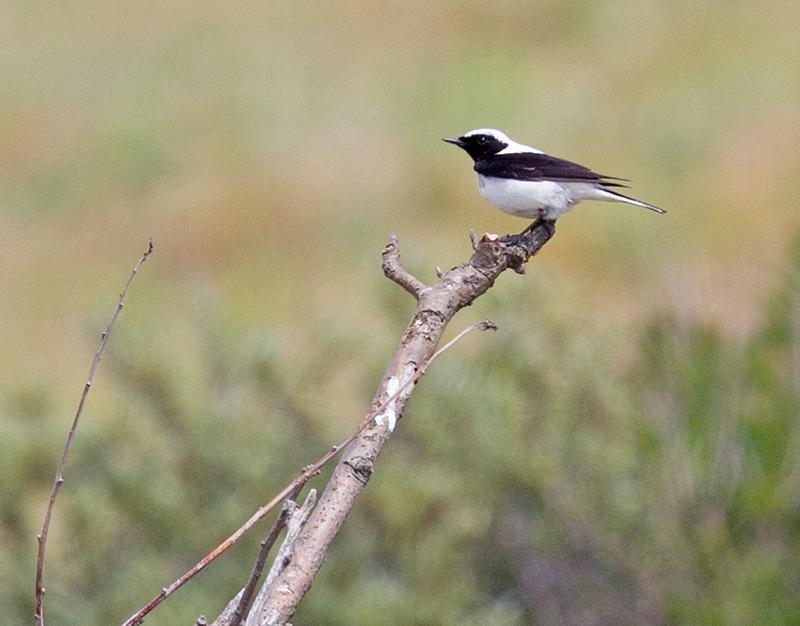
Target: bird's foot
(515,240)
(542,218)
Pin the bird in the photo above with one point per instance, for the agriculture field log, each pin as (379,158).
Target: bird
(524,181)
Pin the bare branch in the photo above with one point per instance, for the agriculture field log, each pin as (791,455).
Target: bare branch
(59,478)
(297,484)
(436,306)
(394,271)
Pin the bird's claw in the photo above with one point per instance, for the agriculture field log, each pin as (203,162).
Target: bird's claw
(511,240)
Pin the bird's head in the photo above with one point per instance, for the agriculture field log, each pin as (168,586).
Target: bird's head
(481,143)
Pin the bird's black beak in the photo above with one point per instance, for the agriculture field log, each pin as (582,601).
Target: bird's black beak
(454,140)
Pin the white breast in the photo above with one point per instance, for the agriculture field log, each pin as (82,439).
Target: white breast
(525,198)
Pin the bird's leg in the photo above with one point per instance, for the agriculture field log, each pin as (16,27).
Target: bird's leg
(539,221)
(532,225)
(515,239)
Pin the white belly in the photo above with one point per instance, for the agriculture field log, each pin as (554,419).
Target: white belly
(532,198)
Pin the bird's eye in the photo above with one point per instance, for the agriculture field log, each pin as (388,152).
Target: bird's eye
(483,139)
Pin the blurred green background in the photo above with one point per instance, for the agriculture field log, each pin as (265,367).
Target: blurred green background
(626,450)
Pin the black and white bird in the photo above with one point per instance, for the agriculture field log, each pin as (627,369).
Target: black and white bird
(526,182)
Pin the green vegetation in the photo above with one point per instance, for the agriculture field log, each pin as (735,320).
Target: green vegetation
(626,450)
(542,471)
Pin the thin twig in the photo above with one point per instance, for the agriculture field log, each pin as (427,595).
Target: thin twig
(258,566)
(298,483)
(59,478)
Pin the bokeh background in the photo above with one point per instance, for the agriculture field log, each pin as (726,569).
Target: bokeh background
(625,450)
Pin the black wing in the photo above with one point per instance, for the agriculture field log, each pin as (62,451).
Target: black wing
(533,166)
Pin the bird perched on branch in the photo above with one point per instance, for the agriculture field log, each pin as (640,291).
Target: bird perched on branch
(526,182)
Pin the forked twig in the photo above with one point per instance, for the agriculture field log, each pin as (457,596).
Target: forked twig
(298,483)
(59,478)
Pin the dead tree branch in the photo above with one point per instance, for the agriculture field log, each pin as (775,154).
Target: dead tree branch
(436,306)
(59,478)
(294,487)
